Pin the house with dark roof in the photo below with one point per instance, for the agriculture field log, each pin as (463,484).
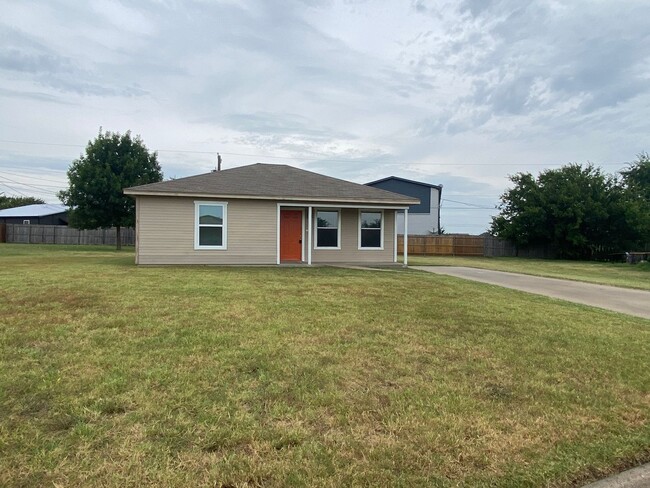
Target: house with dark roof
(265,214)
(424,217)
(39,213)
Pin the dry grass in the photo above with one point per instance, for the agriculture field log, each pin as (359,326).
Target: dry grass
(112,375)
(613,274)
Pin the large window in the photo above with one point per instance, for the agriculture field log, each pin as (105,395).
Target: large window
(327,229)
(371,235)
(210,225)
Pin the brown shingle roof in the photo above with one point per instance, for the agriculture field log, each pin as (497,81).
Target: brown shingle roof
(272,182)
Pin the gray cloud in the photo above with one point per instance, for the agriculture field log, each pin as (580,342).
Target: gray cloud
(524,59)
(476,7)
(22,53)
(26,55)
(16,60)
(281,124)
(35,96)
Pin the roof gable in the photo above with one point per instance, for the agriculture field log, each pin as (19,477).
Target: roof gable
(271,182)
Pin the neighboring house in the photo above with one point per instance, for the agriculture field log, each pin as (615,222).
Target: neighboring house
(424,217)
(265,214)
(40,213)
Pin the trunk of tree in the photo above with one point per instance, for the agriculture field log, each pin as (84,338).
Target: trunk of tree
(118,237)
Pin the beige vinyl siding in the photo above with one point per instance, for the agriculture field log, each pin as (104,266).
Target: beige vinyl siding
(350,252)
(165,232)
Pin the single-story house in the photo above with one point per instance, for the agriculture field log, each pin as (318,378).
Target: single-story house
(424,217)
(265,214)
(38,214)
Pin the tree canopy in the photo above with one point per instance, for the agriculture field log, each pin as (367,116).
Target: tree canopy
(637,177)
(111,163)
(636,181)
(11,202)
(576,211)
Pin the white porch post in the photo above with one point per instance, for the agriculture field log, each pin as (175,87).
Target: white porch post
(406,237)
(277,230)
(395,236)
(309,225)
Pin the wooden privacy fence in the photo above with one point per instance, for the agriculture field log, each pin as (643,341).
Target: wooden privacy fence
(497,248)
(442,245)
(62,234)
(450,245)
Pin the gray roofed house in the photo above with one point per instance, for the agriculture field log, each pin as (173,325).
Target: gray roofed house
(37,213)
(424,218)
(265,214)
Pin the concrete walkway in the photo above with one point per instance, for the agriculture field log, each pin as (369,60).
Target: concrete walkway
(624,300)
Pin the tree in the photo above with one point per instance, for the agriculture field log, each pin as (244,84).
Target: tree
(637,177)
(575,210)
(636,182)
(11,202)
(111,163)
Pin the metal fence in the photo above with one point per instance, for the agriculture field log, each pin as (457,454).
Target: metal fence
(61,234)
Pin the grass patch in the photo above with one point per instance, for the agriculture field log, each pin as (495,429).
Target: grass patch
(614,274)
(114,375)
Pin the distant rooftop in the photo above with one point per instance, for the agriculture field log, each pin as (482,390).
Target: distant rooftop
(35,210)
(422,183)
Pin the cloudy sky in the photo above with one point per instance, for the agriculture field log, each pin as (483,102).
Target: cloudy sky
(458,93)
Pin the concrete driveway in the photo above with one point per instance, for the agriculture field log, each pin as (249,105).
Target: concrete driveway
(634,478)
(625,300)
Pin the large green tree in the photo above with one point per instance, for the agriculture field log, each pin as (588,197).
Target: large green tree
(636,181)
(111,163)
(11,202)
(576,211)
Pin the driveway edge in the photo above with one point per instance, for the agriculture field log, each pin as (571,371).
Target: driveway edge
(638,477)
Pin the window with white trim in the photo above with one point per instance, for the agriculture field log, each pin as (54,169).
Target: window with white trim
(210,225)
(327,229)
(371,235)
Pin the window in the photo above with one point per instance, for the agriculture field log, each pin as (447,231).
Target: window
(327,229)
(371,235)
(26,222)
(210,225)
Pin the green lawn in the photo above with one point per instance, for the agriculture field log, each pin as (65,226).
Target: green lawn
(113,375)
(615,274)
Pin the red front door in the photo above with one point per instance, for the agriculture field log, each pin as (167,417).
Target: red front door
(290,235)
